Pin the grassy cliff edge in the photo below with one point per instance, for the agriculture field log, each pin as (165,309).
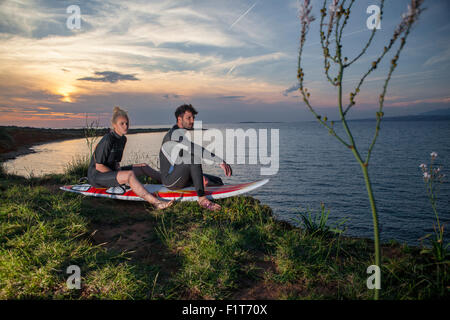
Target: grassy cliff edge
(126,250)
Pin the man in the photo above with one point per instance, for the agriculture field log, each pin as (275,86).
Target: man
(180,166)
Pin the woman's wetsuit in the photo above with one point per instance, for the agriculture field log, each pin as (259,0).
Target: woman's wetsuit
(108,152)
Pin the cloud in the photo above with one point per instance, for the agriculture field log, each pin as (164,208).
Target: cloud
(232,53)
(110,76)
(231,97)
(230,65)
(441,100)
(146,39)
(175,96)
(293,88)
(442,57)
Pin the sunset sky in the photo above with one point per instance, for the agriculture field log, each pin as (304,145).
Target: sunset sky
(233,60)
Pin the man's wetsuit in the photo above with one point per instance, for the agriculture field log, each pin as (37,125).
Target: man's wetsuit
(179,175)
(108,152)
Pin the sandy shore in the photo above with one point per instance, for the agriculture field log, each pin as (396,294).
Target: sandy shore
(17,141)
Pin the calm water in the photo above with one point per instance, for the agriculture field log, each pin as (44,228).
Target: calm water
(314,168)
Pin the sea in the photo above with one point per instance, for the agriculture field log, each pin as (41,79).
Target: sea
(312,169)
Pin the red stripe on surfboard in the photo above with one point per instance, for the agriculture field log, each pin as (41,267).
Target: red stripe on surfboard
(191,193)
(172,193)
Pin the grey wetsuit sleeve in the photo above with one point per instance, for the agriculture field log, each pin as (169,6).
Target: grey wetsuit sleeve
(206,154)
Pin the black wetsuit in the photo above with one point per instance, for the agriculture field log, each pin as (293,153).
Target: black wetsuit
(108,152)
(181,175)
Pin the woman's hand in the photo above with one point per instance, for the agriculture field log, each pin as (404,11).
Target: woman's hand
(101,168)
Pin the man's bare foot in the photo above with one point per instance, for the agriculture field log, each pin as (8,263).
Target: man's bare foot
(206,204)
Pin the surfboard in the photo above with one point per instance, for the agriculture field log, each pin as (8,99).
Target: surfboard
(161,192)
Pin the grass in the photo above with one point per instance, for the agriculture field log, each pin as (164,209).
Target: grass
(317,223)
(126,250)
(78,166)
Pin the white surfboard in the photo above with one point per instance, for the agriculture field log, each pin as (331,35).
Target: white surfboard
(161,192)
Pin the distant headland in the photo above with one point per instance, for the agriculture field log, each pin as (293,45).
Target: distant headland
(16,141)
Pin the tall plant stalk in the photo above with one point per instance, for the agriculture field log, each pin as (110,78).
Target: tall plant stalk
(338,15)
(432,178)
(91,134)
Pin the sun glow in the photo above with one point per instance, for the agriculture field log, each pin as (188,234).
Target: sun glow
(67,93)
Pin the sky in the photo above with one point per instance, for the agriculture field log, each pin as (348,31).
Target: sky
(232,60)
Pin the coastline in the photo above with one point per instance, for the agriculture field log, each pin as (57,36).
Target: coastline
(127,250)
(18,141)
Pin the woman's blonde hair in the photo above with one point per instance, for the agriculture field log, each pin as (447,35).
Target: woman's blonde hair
(117,112)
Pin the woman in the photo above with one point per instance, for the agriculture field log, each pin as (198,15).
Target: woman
(105,171)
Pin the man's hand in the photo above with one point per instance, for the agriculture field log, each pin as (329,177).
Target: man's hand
(226,168)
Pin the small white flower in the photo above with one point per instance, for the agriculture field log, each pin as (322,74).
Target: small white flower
(305,13)
(334,6)
(434,155)
(413,10)
(426,175)
(423,166)
(409,17)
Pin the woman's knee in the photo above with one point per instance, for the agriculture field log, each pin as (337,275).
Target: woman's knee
(125,176)
(131,175)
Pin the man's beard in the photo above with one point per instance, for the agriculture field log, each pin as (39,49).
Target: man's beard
(187,126)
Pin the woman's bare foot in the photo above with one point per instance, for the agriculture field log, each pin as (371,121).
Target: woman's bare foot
(160,205)
(205,181)
(206,204)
